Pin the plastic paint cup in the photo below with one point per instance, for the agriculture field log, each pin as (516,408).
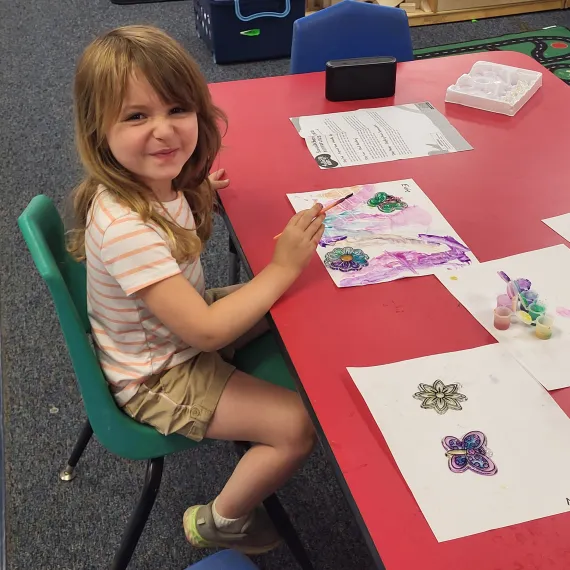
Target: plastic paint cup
(511,290)
(544,327)
(504,301)
(536,310)
(502,318)
(529,296)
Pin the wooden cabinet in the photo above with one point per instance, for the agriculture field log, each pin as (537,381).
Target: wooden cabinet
(422,12)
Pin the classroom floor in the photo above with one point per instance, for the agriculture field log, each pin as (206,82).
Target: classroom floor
(77,526)
(550,47)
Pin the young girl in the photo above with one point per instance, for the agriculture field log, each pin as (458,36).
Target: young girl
(147,134)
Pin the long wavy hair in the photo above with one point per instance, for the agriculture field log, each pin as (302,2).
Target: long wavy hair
(100,86)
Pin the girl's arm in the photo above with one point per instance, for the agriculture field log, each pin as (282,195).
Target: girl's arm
(210,327)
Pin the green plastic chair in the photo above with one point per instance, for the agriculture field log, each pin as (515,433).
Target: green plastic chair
(43,232)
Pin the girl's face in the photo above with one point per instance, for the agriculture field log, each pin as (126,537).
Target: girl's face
(152,139)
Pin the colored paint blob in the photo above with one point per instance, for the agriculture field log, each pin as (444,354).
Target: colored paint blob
(536,310)
(558,45)
(529,296)
(563,312)
(524,317)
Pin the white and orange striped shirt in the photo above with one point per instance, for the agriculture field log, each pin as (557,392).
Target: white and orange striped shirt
(124,255)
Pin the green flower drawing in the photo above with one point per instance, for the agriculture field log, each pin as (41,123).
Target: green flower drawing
(440,397)
(346,259)
(386,202)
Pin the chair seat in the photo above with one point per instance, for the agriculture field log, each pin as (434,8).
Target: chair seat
(260,358)
(225,560)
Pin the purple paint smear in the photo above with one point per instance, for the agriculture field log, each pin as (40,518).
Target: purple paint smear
(396,264)
(325,241)
(563,312)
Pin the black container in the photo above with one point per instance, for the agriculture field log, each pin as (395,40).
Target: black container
(360,78)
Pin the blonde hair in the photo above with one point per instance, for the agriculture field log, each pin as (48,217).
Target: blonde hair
(100,86)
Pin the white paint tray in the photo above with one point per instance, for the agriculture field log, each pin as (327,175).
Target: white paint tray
(494,87)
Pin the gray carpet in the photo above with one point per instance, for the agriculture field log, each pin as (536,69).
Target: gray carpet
(77,526)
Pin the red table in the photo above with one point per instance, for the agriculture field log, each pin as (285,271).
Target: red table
(494,196)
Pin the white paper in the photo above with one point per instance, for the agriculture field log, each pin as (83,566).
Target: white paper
(560,224)
(526,431)
(410,238)
(382,134)
(548,269)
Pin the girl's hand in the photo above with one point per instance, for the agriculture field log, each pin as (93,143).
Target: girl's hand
(217,181)
(299,240)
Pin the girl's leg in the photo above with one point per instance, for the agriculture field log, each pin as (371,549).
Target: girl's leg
(272,418)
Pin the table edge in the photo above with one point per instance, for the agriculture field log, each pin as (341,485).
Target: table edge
(315,420)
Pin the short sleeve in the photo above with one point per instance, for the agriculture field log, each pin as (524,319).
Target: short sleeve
(136,255)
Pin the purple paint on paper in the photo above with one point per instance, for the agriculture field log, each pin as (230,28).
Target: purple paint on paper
(358,225)
(396,264)
(563,312)
(326,241)
(411,216)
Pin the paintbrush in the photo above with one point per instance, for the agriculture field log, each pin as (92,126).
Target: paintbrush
(324,210)
(507,279)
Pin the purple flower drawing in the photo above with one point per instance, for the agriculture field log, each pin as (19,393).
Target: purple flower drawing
(346,259)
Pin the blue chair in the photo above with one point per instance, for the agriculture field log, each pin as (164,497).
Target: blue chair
(346,30)
(225,560)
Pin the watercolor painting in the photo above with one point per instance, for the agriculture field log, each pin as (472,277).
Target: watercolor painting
(384,232)
(440,397)
(469,453)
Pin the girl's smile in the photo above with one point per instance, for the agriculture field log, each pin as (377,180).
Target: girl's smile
(165,154)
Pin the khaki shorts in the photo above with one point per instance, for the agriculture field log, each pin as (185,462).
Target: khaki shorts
(183,399)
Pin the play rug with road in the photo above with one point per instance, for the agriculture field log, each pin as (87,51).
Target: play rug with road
(550,47)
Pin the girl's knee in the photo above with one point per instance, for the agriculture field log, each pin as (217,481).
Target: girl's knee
(300,436)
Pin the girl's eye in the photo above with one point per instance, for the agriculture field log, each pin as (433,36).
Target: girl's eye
(176,110)
(135,117)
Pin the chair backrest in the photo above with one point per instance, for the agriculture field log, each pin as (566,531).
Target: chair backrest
(346,30)
(43,232)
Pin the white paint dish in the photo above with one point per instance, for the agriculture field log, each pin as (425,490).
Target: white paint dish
(496,88)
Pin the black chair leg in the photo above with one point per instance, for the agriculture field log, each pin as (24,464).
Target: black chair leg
(69,473)
(284,526)
(140,514)
(234,264)
(281,520)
